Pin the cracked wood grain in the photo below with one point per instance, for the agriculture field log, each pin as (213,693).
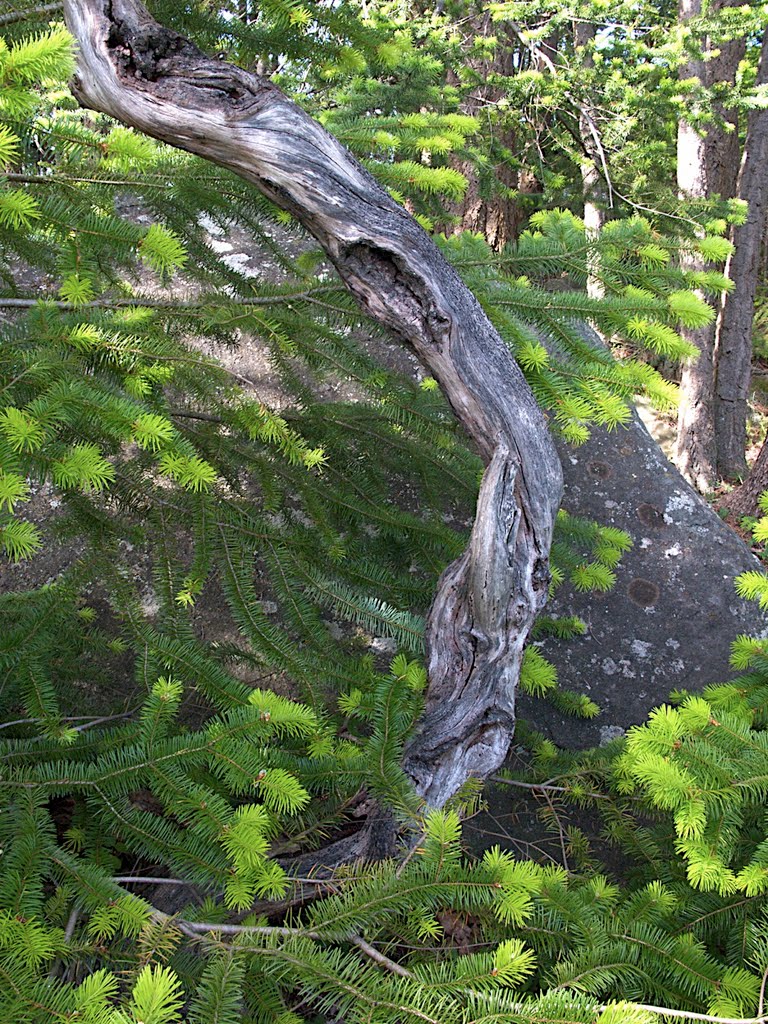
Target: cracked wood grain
(154,80)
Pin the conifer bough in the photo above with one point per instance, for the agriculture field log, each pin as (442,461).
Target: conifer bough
(158,82)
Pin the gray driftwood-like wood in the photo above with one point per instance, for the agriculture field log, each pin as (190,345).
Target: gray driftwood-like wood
(151,78)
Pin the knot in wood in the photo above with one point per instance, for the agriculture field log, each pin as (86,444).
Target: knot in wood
(139,49)
(479,640)
(412,312)
(542,577)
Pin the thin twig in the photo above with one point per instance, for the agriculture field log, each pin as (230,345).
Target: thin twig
(69,931)
(197,928)
(171,304)
(543,787)
(595,133)
(656,212)
(187,415)
(93,722)
(537,51)
(379,958)
(414,848)
(89,722)
(533,47)
(202,927)
(15,16)
(20,721)
(103,719)
(560,832)
(69,179)
(665,1011)
(330,882)
(148,880)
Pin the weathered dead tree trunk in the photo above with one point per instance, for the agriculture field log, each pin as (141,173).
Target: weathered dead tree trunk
(148,77)
(734,328)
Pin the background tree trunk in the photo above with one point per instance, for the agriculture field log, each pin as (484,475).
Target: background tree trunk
(593,184)
(486,602)
(706,166)
(722,138)
(743,500)
(495,208)
(494,212)
(734,329)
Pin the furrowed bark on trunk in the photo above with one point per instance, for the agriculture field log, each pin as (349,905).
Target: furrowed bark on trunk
(497,217)
(695,451)
(493,213)
(734,329)
(488,208)
(706,163)
(723,146)
(156,81)
(742,501)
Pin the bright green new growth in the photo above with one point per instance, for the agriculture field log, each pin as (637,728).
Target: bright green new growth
(706,762)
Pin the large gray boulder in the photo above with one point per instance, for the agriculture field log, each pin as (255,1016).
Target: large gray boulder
(673,613)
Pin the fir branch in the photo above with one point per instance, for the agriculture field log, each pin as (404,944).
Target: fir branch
(379,958)
(172,305)
(69,931)
(186,414)
(197,928)
(90,720)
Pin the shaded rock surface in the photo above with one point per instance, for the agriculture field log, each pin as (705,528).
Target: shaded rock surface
(673,613)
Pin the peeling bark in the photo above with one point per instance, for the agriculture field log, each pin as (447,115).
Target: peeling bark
(156,81)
